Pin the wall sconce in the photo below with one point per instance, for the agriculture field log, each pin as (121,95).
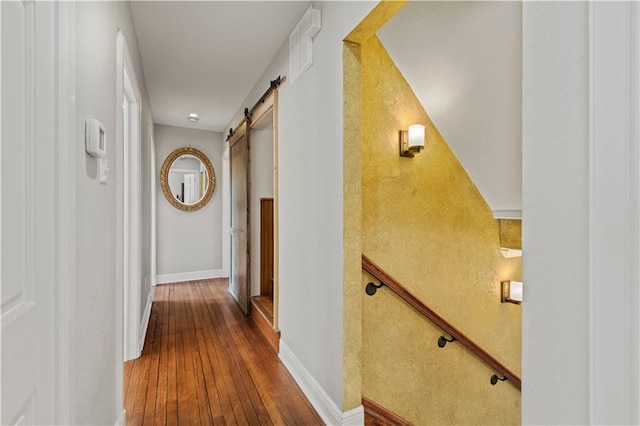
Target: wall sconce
(511,292)
(411,141)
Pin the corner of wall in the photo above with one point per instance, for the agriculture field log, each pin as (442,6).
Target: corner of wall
(352,190)
(352,201)
(330,413)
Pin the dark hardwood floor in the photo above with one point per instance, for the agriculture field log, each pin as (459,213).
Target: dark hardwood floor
(205,363)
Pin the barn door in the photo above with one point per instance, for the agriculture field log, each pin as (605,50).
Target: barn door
(239,165)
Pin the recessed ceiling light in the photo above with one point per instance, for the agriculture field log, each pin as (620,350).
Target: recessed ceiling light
(193,117)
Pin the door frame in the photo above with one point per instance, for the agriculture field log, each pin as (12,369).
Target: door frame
(270,103)
(66,213)
(128,256)
(261,108)
(614,187)
(153,186)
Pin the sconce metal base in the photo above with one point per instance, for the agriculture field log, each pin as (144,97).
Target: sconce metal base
(505,293)
(404,144)
(405,150)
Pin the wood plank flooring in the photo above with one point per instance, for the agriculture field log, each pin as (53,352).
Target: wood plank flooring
(205,363)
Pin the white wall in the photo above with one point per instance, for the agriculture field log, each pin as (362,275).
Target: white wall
(189,242)
(463,60)
(99,367)
(310,161)
(555,313)
(311,202)
(261,172)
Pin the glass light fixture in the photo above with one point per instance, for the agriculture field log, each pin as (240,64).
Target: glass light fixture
(193,117)
(411,141)
(511,292)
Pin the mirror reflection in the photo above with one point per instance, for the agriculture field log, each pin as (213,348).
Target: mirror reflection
(188,179)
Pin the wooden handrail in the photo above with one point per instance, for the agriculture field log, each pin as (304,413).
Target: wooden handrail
(404,294)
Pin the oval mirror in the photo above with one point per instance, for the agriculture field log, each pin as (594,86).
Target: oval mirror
(187,179)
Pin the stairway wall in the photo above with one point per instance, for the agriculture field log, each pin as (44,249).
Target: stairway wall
(426,223)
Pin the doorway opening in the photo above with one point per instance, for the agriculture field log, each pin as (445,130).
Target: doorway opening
(261,217)
(253,158)
(129,209)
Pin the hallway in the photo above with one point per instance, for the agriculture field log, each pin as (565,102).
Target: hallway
(204,362)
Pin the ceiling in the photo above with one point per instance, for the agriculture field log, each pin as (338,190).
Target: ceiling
(204,57)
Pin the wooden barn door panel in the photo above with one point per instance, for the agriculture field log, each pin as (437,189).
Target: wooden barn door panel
(266,247)
(239,165)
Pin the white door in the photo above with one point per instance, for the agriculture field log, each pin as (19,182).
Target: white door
(190,189)
(27,211)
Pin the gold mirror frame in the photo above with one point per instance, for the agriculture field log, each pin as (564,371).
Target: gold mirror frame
(164,179)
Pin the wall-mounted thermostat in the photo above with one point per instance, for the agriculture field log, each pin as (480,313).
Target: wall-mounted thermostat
(95,138)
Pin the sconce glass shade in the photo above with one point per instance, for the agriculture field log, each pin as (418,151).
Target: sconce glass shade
(412,141)
(511,292)
(416,137)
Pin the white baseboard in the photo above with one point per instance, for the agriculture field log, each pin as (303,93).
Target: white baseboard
(122,419)
(144,324)
(354,417)
(188,276)
(324,405)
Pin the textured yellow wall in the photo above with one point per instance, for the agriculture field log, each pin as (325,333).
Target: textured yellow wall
(352,170)
(352,186)
(424,222)
(510,233)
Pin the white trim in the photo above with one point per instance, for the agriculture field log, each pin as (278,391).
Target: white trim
(324,405)
(128,167)
(507,214)
(122,418)
(133,209)
(132,307)
(188,276)
(119,343)
(144,324)
(65,215)
(633,251)
(0,175)
(153,188)
(614,217)
(353,417)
